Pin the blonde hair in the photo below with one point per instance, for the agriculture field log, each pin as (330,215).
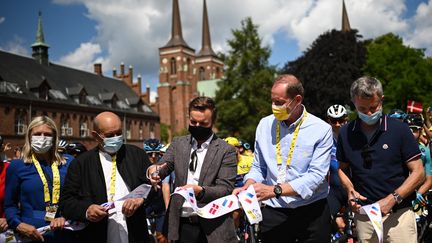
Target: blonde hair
(27,150)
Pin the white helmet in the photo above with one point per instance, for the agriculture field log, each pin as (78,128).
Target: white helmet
(336,111)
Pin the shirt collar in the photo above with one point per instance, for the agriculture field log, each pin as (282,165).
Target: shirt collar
(203,145)
(382,126)
(294,124)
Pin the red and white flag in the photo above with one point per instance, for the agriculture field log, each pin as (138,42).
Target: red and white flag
(414,106)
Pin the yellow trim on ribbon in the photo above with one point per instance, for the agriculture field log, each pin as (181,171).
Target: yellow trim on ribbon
(293,141)
(113,177)
(56,182)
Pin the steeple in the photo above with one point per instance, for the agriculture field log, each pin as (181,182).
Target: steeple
(345,21)
(40,48)
(176,29)
(206,49)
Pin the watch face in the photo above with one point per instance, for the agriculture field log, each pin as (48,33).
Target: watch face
(277,190)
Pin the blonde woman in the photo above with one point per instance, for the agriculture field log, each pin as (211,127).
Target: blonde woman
(34,183)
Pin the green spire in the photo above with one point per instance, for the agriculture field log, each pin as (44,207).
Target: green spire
(40,39)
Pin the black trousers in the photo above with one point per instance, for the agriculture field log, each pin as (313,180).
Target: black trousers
(310,223)
(191,233)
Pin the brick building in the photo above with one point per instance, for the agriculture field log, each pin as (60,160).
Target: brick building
(34,86)
(184,74)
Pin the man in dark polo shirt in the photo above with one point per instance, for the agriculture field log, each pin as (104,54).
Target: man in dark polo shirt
(385,165)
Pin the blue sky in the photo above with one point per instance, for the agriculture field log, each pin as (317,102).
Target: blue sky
(82,32)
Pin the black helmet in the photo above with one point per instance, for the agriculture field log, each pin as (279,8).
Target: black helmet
(152,145)
(75,148)
(398,114)
(414,120)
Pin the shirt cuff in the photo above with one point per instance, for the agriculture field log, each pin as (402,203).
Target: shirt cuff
(14,223)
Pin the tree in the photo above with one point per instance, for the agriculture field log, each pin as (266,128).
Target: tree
(243,97)
(327,69)
(404,71)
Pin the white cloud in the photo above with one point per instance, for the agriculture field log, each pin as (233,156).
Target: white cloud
(83,57)
(153,95)
(17,46)
(2,19)
(131,31)
(421,36)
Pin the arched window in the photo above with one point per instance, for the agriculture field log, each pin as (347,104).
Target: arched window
(201,73)
(128,130)
(64,126)
(173,66)
(189,65)
(141,131)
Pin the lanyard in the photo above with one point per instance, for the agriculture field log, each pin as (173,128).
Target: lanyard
(113,177)
(293,141)
(56,182)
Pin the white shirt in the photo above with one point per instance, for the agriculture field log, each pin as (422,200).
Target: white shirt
(117,228)
(193,177)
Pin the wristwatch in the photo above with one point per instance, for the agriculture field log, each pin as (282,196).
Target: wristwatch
(398,198)
(277,190)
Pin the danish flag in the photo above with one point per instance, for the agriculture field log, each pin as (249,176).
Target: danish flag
(214,208)
(414,106)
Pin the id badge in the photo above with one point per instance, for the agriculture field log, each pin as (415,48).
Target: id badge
(281,174)
(50,213)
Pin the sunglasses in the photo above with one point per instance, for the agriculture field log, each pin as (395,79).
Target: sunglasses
(337,120)
(366,154)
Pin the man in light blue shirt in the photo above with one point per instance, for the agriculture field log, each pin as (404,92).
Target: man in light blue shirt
(292,158)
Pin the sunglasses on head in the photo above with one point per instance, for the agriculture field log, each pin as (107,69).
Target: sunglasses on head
(337,120)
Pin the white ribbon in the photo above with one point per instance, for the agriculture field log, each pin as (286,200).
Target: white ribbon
(10,236)
(224,205)
(373,211)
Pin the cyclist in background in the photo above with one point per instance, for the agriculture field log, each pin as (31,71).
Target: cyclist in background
(337,116)
(244,162)
(156,207)
(75,149)
(415,123)
(397,114)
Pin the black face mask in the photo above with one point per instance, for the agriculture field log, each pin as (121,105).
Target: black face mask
(200,133)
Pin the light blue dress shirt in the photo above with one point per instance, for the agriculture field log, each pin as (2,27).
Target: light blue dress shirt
(310,161)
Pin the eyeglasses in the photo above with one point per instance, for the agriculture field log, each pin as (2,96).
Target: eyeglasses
(194,161)
(366,154)
(337,120)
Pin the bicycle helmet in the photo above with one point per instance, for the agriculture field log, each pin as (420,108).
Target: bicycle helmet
(336,111)
(152,145)
(62,144)
(75,149)
(414,120)
(397,114)
(232,141)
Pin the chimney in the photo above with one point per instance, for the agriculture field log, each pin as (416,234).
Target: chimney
(148,93)
(114,72)
(139,83)
(98,68)
(122,68)
(130,73)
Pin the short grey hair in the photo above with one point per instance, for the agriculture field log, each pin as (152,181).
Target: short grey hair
(366,87)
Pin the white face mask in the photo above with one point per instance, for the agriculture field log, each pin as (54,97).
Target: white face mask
(41,144)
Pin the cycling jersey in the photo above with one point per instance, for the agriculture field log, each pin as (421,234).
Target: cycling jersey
(244,164)
(426,159)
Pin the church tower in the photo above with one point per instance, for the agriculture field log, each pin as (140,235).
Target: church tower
(40,48)
(345,21)
(207,64)
(177,82)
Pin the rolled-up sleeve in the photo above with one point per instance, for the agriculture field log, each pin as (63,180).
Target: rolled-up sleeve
(306,184)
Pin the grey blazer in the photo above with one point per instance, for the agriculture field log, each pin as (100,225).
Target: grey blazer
(218,174)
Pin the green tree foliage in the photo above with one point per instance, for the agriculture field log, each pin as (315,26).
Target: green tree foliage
(243,97)
(404,71)
(164,132)
(327,69)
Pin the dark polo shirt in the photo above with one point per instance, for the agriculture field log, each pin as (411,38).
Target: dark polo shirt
(379,166)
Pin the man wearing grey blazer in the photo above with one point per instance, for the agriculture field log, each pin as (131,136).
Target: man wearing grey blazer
(205,163)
